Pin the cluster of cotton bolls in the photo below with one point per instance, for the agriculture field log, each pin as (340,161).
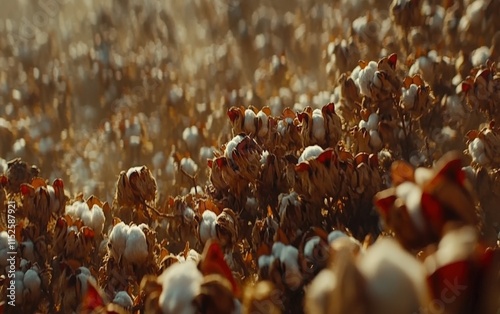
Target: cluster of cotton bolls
(91,217)
(128,243)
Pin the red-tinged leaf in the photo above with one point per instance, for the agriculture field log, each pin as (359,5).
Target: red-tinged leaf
(88,232)
(361,158)
(483,73)
(3,180)
(328,109)
(384,201)
(266,110)
(325,156)
(221,162)
(373,160)
(393,59)
(233,113)
(212,262)
(58,183)
(210,162)
(466,87)
(455,275)
(301,116)
(38,182)
(472,135)
(281,237)
(263,249)
(450,166)
(303,166)
(433,212)
(288,113)
(26,189)
(93,299)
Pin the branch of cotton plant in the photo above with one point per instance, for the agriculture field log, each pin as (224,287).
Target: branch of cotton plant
(193,178)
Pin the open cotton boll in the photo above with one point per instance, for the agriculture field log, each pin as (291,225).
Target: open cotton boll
(231,146)
(365,78)
(207,226)
(477,151)
(424,66)
(249,123)
(309,247)
(265,261)
(123,299)
(263,157)
(206,153)
(136,248)
(264,123)
(392,272)
(32,281)
(189,166)
(310,152)
(191,137)
(289,257)
(409,96)
(372,123)
(4,240)
(94,218)
(27,249)
(180,284)
(318,125)
(118,239)
(480,56)
(334,235)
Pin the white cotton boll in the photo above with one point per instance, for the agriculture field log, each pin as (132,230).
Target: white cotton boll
(391,272)
(170,168)
(118,240)
(188,214)
(409,96)
(334,235)
(24,265)
(28,251)
(158,160)
(263,157)
(83,277)
(196,191)
(249,122)
(32,281)
(264,123)
(265,261)
(97,219)
(232,145)
(136,248)
(318,123)
(191,137)
(289,256)
(207,226)
(424,66)
(189,166)
(372,123)
(281,127)
(320,290)
(375,140)
(310,152)
(362,124)
(4,240)
(310,245)
(180,284)
(193,256)
(123,299)
(131,170)
(206,153)
(476,149)
(355,73)
(423,175)
(480,56)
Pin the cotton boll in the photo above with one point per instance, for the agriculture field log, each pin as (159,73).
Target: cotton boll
(362,124)
(180,284)
(94,218)
(310,245)
(365,78)
(136,249)
(391,272)
(206,153)
(123,299)
(477,151)
(285,199)
(207,226)
(27,250)
(189,166)
(289,257)
(334,235)
(372,123)
(265,261)
(264,123)
(409,96)
(310,152)
(318,123)
(32,282)
(118,240)
(4,240)
(19,284)
(249,123)
(263,157)
(232,145)
(191,137)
